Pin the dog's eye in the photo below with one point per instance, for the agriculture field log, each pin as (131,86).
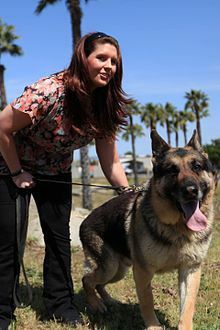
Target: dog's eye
(196,166)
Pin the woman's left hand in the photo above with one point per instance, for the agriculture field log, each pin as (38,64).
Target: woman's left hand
(24,180)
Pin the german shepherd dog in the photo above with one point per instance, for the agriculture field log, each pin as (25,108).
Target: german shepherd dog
(166,226)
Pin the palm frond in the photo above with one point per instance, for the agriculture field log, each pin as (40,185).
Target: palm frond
(43,4)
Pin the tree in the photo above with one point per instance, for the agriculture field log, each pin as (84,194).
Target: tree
(132,131)
(75,11)
(7,38)
(151,114)
(197,101)
(213,150)
(168,113)
(176,125)
(185,117)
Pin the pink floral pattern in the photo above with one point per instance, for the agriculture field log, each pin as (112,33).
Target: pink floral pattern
(46,146)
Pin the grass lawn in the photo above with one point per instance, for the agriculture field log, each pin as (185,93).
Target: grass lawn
(124,313)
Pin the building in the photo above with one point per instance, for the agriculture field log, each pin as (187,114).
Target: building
(144,166)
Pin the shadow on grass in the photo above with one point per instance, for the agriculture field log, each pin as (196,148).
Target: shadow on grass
(120,316)
(37,302)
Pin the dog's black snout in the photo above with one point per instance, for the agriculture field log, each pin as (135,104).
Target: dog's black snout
(190,190)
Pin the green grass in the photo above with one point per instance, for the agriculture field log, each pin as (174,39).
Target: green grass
(124,313)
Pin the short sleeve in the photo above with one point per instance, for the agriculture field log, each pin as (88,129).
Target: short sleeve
(36,99)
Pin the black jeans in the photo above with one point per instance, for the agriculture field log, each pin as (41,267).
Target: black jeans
(54,201)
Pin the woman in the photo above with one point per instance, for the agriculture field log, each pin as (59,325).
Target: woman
(38,133)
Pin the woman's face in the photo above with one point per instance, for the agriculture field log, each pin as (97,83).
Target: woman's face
(102,65)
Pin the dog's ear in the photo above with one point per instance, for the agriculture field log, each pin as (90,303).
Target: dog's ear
(159,146)
(194,142)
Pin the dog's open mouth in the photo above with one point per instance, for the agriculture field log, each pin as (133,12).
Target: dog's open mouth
(195,219)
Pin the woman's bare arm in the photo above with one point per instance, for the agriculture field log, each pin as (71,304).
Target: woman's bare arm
(11,121)
(110,162)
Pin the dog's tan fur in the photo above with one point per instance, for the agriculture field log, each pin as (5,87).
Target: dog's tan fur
(148,231)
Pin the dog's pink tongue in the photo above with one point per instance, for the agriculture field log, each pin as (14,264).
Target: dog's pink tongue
(196,220)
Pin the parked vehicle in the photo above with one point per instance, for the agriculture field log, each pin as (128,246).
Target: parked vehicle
(129,167)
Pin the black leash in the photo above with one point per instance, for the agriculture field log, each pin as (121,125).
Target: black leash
(118,189)
(22,225)
(79,184)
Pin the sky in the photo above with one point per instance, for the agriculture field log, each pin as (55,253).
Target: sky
(168,48)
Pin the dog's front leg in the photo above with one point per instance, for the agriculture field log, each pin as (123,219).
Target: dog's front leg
(189,281)
(144,292)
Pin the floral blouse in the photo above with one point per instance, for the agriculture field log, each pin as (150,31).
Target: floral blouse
(46,146)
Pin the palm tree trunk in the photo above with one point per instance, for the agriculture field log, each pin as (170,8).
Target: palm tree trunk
(3,100)
(86,190)
(198,126)
(133,151)
(177,138)
(76,15)
(168,131)
(185,134)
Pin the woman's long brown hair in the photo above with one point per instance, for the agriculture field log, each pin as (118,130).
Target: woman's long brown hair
(102,111)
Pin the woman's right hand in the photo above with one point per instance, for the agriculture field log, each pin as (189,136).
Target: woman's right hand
(24,180)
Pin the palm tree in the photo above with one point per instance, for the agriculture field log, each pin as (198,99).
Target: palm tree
(169,110)
(185,117)
(197,101)
(75,11)
(151,114)
(176,125)
(132,131)
(7,38)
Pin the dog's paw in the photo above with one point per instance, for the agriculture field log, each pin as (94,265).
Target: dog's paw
(105,296)
(96,305)
(156,327)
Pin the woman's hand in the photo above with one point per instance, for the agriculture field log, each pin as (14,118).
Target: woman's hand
(24,180)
